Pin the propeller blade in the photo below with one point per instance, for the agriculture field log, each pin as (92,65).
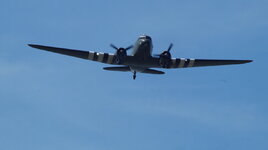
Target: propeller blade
(128,48)
(170,46)
(165,52)
(113,46)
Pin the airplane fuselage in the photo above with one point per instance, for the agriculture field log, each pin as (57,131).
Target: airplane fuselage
(143,47)
(142,50)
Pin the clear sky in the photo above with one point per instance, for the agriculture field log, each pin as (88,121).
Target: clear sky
(51,101)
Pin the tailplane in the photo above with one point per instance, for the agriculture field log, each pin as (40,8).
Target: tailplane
(126,68)
(152,71)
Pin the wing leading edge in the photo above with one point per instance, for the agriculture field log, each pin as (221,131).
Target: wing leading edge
(154,63)
(89,55)
(185,63)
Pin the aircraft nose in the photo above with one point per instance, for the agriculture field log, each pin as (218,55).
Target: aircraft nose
(145,40)
(145,37)
(149,38)
(145,43)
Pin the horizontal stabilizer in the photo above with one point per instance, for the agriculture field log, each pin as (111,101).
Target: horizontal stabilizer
(117,68)
(152,71)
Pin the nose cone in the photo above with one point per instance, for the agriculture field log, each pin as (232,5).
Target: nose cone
(145,38)
(143,46)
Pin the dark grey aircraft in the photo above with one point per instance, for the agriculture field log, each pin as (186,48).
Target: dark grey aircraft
(141,59)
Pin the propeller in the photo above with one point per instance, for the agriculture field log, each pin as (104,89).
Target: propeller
(166,53)
(170,47)
(165,57)
(121,53)
(121,48)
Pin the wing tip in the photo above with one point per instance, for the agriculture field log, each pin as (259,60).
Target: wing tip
(39,46)
(33,45)
(247,61)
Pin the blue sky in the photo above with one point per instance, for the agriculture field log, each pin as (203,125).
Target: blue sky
(50,101)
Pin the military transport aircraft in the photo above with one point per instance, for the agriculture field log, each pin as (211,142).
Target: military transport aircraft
(141,59)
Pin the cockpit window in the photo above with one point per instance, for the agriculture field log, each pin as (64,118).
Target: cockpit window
(145,37)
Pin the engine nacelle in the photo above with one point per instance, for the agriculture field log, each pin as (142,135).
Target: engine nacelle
(164,62)
(120,56)
(165,59)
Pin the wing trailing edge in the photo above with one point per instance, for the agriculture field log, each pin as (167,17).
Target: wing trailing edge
(185,63)
(64,51)
(106,58)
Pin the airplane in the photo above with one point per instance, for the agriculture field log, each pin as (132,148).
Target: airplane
(141,59)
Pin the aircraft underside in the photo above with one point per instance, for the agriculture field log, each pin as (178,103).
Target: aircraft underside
(141,59)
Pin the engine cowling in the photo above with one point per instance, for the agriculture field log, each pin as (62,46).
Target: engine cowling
(165,59)
(120,55)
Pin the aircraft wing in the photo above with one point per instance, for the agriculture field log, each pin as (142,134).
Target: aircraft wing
(185,63)
(89,55)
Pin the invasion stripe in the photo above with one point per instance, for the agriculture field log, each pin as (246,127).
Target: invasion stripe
(114,62)
(191,64)
(105,57)
(100,57)
(110,58)
(90,55)
(173,63)
(182,61)
(187,61)
(177,62)
(95,57)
